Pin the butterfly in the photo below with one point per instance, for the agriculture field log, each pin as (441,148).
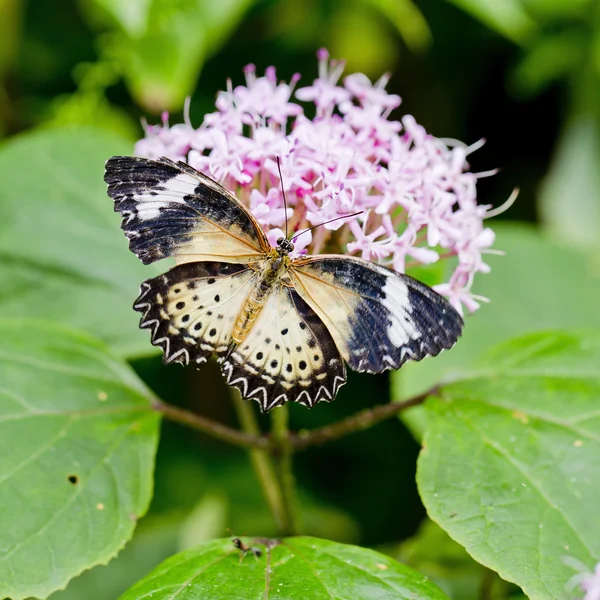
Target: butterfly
(283,329)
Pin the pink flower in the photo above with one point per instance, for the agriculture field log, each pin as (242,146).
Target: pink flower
(588,582)
(591,584)
(415,194)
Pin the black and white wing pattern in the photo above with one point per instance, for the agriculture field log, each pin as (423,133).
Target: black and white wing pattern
(288,356)
(191,310)
(377,318)
(170,209)
(319,313)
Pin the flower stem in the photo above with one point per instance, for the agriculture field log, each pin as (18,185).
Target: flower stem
(262,463)
(283,453)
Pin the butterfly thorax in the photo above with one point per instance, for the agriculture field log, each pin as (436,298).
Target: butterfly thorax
(269,275)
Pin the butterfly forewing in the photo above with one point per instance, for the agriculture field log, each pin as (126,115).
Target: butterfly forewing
(191,310)
(170,209)
(378,318)
(288,356)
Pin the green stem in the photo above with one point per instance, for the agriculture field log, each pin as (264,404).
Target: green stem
(283,454)
(262,463)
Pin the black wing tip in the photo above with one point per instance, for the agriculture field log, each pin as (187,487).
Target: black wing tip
(440,325)
(120,168)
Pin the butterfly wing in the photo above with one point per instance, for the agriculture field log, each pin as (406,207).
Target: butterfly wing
(288,355)
(378,319)
(191,310)
(170,209)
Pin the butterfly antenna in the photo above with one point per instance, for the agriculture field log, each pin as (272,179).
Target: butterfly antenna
(360,212)
(283,193)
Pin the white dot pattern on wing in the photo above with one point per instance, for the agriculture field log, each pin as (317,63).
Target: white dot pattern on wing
(283,359)
(206,308)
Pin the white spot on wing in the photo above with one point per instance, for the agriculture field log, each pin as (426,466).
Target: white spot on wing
(402,330)
(174,189)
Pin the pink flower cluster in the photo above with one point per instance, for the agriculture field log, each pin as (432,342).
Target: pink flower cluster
(416,194)
(588,582)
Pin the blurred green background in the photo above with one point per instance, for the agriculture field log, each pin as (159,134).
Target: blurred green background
(524,74)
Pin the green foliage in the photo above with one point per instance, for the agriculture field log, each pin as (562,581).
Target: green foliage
(509,17)
(511,460)
(155,540)
(294,568)
(432,552)
(556,278)
(62,254)
(77,446)
(160,47)
(570,196)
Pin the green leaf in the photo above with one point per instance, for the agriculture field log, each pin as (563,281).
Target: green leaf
(549,59)
(161,64)
(560,11)
(507,17)
(570,196)
(292,568)
(511,461)
(408,21)
(207,520)
(77,444)
(432,552)
(535,286)
(155,540)
(132,15)
(63,256)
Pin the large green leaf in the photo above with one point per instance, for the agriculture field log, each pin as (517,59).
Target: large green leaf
(63,256)
(538,285)
(155,540)
(569,199)
(77,444)
(511,461)
(162,61)
(293,568)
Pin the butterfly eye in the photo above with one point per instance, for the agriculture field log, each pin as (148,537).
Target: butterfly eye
(280,241)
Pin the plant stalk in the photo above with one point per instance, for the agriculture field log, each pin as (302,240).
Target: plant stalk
(262,463)
(283,455)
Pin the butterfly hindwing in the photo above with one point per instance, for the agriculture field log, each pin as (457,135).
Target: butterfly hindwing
(378,318)
(191,310)
(170,209)
(288,356)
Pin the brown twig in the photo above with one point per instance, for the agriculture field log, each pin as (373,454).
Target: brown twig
(217,430)
(359,421)
(298,441)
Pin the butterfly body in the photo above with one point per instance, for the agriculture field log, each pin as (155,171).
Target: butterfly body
(282,328)
(271,273)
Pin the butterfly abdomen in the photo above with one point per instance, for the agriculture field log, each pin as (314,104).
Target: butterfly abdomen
(270,275)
